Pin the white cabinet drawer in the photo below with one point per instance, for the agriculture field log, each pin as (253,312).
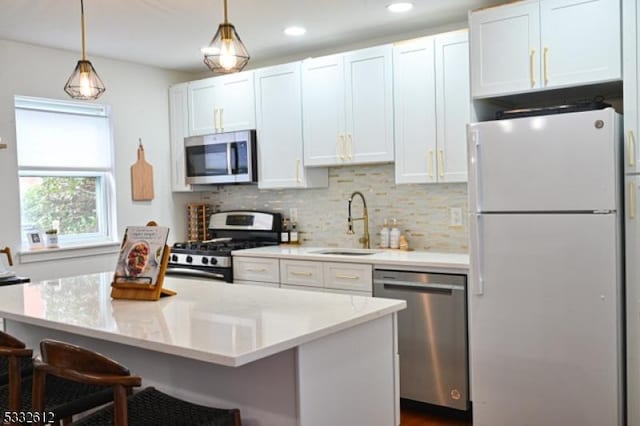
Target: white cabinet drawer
(302,287)
(348,276)
(299,272)
(256,269)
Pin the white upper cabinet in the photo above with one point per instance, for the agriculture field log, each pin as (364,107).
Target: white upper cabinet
(348,108)
(415,111)
(279,130)
(631,91)
(453,105)
(541,44)
(222,104)
(178,119)
(580,41)
(432,108)
(505,49)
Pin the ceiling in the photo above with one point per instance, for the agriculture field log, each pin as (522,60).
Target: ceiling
(170,33)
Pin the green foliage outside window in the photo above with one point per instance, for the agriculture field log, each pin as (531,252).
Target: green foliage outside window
(71,201)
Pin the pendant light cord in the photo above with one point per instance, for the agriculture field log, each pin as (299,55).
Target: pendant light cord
(84,53)
(225,12)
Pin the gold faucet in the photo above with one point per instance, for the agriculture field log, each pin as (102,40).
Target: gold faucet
(365,240)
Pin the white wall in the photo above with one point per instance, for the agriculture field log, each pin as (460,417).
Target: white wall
(138,96)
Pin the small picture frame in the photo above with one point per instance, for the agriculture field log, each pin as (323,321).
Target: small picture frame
(35,239)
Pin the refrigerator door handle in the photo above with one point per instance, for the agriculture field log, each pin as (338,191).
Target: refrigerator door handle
(475,137)
(478,284)
(631,149)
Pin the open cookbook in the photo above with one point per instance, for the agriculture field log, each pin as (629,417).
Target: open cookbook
(141,253)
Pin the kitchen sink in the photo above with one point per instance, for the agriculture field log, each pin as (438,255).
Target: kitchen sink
(347,252)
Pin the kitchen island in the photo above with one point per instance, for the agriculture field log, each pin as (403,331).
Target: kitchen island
(284,357)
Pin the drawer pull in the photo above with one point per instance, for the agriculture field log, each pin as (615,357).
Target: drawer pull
(347,276)
(300,273)
(257,269)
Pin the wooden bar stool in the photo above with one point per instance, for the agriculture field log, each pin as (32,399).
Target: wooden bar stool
(147,407)
(65,398)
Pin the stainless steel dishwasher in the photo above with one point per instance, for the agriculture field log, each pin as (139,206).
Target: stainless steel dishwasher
(432,335)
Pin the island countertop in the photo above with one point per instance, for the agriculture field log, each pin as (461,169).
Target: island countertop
(381,257)
(210,321)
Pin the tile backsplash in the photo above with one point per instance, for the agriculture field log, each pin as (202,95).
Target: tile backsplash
(422,210)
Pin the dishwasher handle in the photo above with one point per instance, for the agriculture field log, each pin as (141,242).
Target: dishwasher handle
(408,285)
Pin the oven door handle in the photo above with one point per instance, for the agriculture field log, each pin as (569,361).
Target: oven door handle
(194,273)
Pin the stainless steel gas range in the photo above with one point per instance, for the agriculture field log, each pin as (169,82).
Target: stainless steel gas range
(231,230)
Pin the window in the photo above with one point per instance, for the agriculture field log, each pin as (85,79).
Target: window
(65,169)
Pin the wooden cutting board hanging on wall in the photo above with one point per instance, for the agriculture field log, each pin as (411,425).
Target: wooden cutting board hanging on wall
(141,178)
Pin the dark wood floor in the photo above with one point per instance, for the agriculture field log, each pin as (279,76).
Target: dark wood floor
(413,414)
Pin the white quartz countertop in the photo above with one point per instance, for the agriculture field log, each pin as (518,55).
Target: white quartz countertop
(210,321)
(381,257)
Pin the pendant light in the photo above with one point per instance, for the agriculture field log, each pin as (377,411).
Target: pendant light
(226,53)
(84,83)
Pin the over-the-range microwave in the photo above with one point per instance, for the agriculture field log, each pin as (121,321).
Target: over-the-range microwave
(221,158)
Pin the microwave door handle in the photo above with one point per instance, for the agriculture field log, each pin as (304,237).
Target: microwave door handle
(229,159)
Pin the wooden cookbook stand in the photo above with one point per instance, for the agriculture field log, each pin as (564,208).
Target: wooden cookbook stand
(121,288)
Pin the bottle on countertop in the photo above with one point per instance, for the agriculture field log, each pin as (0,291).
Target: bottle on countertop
(384,235)
(293,234)
(394,235)
(284,232)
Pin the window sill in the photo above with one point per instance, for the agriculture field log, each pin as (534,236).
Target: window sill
(68,252)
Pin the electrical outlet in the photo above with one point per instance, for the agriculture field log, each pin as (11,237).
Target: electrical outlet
(293,214)
(455,216)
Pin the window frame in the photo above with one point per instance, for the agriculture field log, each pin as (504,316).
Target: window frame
(105,185)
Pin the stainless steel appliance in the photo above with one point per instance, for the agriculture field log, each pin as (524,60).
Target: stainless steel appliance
(432,334)
(231,230)
(221,158)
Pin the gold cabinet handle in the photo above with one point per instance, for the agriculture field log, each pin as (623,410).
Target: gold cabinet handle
(298,170)
(300,273)
(216,120)
(631,148)
(431,163)
(546,66)
(632,200)
(441,163)
(340,147)
(349,146)
(221,119)
(347,276)
(532,67)
(257,269)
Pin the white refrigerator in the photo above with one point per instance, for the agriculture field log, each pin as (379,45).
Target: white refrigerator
(545,293)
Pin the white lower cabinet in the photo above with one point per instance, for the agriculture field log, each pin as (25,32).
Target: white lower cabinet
(348,277)
(301,273)
(255,269)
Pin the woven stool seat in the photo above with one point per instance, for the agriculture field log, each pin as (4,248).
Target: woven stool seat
(26,369)
(152,407)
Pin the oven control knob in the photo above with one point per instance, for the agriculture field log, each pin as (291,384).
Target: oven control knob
(214,260)
(174,257)
(205,260)
(189,259)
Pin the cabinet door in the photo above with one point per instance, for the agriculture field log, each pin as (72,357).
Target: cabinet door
(453,105)
(505,49)
(415,111)
(323,111)
(256,269)
(178,121)
(279,125)
(236,102)
(301,272)
(369,105)
(580,41)
(202,110)
(348,276)
(632,253)
(630,96)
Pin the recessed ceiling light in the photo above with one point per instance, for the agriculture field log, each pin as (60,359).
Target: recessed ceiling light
(295,31)
(400,7)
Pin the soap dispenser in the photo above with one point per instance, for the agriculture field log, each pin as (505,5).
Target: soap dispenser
(394,235)
(384,235)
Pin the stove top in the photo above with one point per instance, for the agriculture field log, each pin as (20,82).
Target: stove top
(233,230)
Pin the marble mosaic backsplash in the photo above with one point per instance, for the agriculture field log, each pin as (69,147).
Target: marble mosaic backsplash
(422,210)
